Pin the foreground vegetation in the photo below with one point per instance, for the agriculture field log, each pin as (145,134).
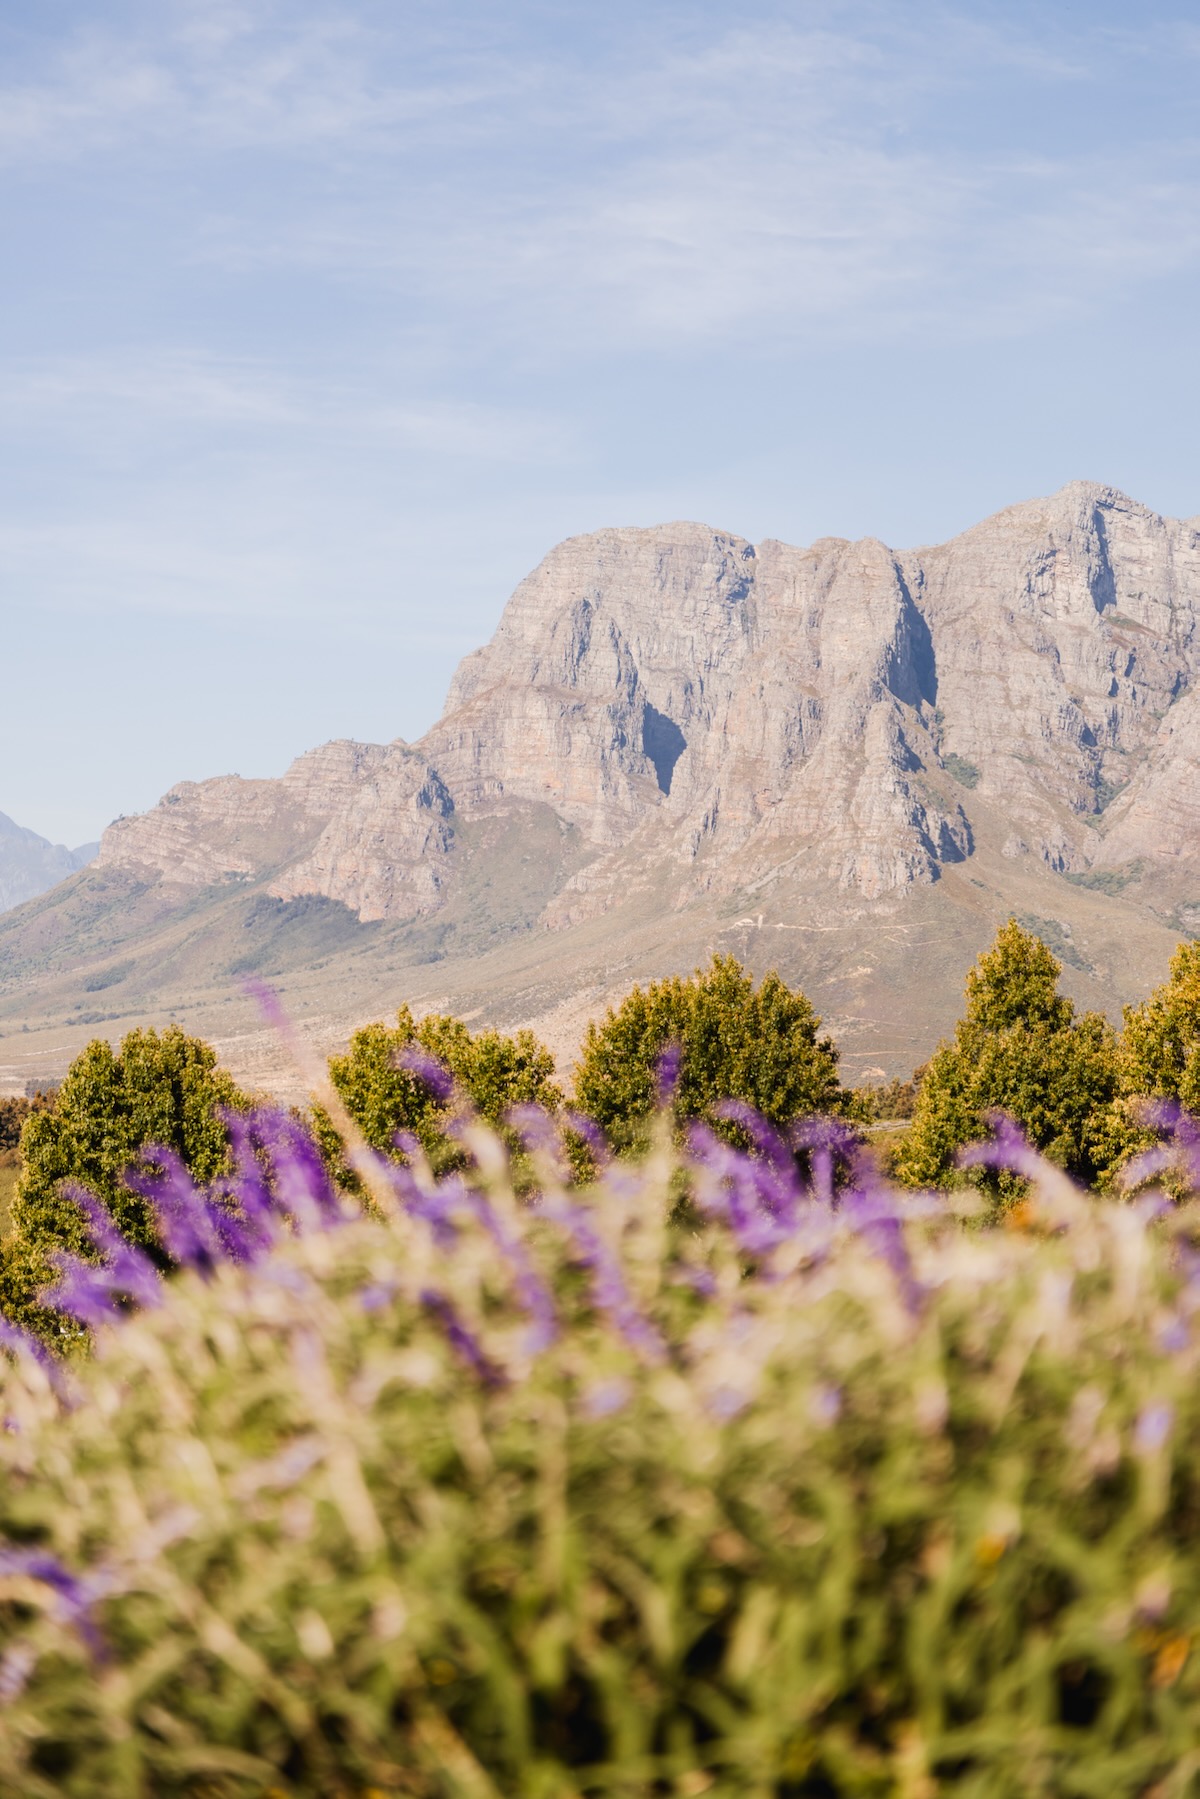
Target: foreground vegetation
(810,1491)
(462,1449)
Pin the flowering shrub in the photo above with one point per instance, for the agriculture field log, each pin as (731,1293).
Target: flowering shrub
(799,1488)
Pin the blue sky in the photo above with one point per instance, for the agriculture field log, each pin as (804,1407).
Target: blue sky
(321,323)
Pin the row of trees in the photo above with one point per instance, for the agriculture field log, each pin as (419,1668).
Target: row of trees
(1069,1079)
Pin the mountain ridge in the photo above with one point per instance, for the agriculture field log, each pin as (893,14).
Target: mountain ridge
(686,730)
(30,864)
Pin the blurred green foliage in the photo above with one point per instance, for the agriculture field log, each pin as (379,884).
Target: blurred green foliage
(833,1543)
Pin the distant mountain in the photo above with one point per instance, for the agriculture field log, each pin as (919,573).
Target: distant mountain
(844,761)
(29,864)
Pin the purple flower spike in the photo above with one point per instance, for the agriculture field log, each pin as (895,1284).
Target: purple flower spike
(429,1071)
(533,1294)
(24,1343)
(1008,1149)
(666,1075)
(1181,1149)
(610,1295)
(462,1341)
(183,1214)
(268,1003)
(827,1141)
(537,1130)
(74,1596)
(298,1182)
(756,1202)
(1153,1428)
(93,1293)
(593,1136)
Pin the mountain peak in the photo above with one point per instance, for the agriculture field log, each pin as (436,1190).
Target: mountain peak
(677,725)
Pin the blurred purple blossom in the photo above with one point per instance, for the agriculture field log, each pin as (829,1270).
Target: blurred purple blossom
(593,1136)
(462,1340)
(1008,1149)
(1180,1150)
(1153,1427)
(666,1075)
(24,1343)
(429,1071)
(828,1142)
(826,1404)
(605,1398)
(610,1295)
(74,1595)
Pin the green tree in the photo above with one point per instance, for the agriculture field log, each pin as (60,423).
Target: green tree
(159,1087)
(1159,1047)
(736,1041)
(493,1072)
(1021,1049)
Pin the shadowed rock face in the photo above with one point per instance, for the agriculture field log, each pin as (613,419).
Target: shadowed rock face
(683,698)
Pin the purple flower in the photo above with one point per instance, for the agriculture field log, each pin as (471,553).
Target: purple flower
(1181,1149)
(828,1141)
(463,1341)
(377,1295)
(24,1343)
(94,1293)
(536,1129)
(666,1075)
(532,1292)
(1174,1336)
(746,1192)
(826,1404)
(429,1071)
(1153,1427)
(74,1596)
(605,1398)
(1009,1150)
(610,1295)
(593,1136)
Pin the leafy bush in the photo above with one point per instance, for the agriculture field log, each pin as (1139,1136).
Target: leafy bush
(735,1041)
(159,1087)
(1019,1048)
(392,1080)
(14,1110)
(964,772)
(888,1100)
(1160,1044)
(823,1495)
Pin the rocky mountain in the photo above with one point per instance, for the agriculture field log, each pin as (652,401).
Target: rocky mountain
(844,760)
(30,864)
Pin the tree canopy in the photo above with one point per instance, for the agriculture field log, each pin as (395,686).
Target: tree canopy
(735,1041)
(492,1071)
(1022,1049)
(160,1087)
(1160,1044)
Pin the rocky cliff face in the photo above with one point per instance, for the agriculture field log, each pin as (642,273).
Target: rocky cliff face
(714,714)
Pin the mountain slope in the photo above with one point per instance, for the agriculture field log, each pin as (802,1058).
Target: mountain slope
(846,761)
(30,864)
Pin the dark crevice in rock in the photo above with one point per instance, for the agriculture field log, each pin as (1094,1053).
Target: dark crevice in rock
(664,743)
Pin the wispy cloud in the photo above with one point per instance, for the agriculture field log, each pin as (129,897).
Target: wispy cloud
(133,393)
(713,185)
